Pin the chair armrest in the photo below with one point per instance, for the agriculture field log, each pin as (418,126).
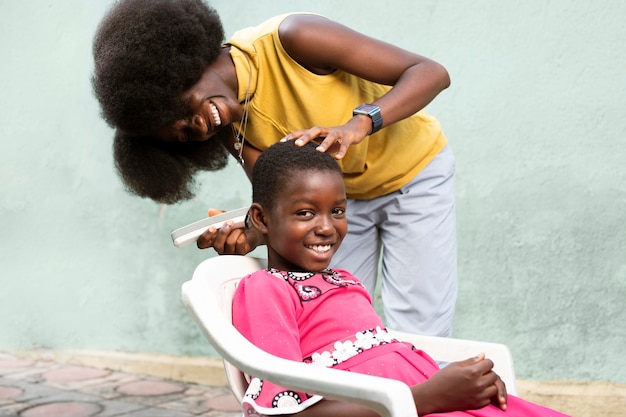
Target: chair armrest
(446,349)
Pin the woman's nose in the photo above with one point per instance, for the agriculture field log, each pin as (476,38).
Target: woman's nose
(198,124)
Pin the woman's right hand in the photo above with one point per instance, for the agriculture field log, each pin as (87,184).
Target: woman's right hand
(229,240)
(335,140)
(465,385)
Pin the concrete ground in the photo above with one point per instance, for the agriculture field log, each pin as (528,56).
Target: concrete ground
(108,384)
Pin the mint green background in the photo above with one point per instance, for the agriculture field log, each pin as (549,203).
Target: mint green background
(535,116)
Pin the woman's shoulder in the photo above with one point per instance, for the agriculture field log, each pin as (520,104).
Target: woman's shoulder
(266,27)
(299,20)
(286,23)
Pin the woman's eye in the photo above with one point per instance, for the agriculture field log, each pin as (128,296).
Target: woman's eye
(188,134)
(182,137)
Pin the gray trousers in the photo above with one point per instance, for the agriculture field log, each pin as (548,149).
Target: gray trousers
(414,230)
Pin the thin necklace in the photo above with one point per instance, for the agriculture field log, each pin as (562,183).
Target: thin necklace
(240,134)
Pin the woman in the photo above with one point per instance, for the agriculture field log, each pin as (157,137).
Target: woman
(181,100)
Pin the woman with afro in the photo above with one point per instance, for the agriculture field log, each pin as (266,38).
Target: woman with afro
(181,100)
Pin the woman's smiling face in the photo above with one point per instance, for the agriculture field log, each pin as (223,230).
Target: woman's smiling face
(211,105)
(307,221)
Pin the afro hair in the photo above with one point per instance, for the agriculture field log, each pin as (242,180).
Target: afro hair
(147,53)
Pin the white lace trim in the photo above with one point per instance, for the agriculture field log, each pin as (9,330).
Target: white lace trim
(345,350)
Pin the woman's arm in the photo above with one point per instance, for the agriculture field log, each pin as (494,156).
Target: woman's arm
(322,46)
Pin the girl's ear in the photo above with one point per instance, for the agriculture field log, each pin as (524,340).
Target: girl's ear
(257,217)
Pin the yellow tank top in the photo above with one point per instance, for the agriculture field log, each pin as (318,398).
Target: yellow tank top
(286,97)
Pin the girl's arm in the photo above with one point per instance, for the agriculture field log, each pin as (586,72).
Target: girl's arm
(465,385)
(322,46)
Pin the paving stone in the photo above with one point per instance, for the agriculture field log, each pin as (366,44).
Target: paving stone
(152,401)
(62,409)
(150,388)
(115,408)
(214,413)
(74,373)
(224,403)
(66,396)
(157,412)
(188,404)
(10,392)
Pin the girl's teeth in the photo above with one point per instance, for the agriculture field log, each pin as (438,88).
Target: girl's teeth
(216,115)
(320,248)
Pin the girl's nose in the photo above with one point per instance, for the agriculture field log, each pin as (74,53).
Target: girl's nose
(325,226)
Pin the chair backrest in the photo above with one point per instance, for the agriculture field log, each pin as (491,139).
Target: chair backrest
(226,277)
(208,296)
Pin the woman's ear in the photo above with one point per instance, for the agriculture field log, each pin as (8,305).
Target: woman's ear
(257,217)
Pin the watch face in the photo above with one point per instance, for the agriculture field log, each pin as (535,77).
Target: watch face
(367,107)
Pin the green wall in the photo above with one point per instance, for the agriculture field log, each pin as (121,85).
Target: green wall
(535,115)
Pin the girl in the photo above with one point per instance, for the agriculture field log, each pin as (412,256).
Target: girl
(301,310)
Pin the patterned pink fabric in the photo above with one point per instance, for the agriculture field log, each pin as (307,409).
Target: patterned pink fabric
(326,319)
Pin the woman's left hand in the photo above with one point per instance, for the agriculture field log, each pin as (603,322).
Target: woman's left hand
(229,240)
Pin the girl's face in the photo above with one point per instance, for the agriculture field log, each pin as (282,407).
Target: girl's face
(307,222)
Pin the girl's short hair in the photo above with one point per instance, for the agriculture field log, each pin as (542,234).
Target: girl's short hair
(278,163)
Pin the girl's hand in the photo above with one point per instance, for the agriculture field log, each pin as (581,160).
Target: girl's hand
(501,398)
(228,240)
(335,140)
(467,385)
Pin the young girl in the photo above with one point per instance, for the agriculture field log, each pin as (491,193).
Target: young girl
(300,310)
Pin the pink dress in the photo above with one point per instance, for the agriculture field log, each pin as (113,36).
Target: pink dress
(327,319)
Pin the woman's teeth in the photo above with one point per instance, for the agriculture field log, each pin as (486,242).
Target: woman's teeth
(216,115)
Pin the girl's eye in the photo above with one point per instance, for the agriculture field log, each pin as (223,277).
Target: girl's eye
(304,213)
(338,211)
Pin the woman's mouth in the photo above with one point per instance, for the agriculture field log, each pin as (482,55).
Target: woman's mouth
(217,121)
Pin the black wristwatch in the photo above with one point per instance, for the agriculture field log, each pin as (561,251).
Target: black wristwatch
(373,112)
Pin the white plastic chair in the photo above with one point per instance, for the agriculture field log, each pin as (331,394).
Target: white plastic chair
(208,297)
